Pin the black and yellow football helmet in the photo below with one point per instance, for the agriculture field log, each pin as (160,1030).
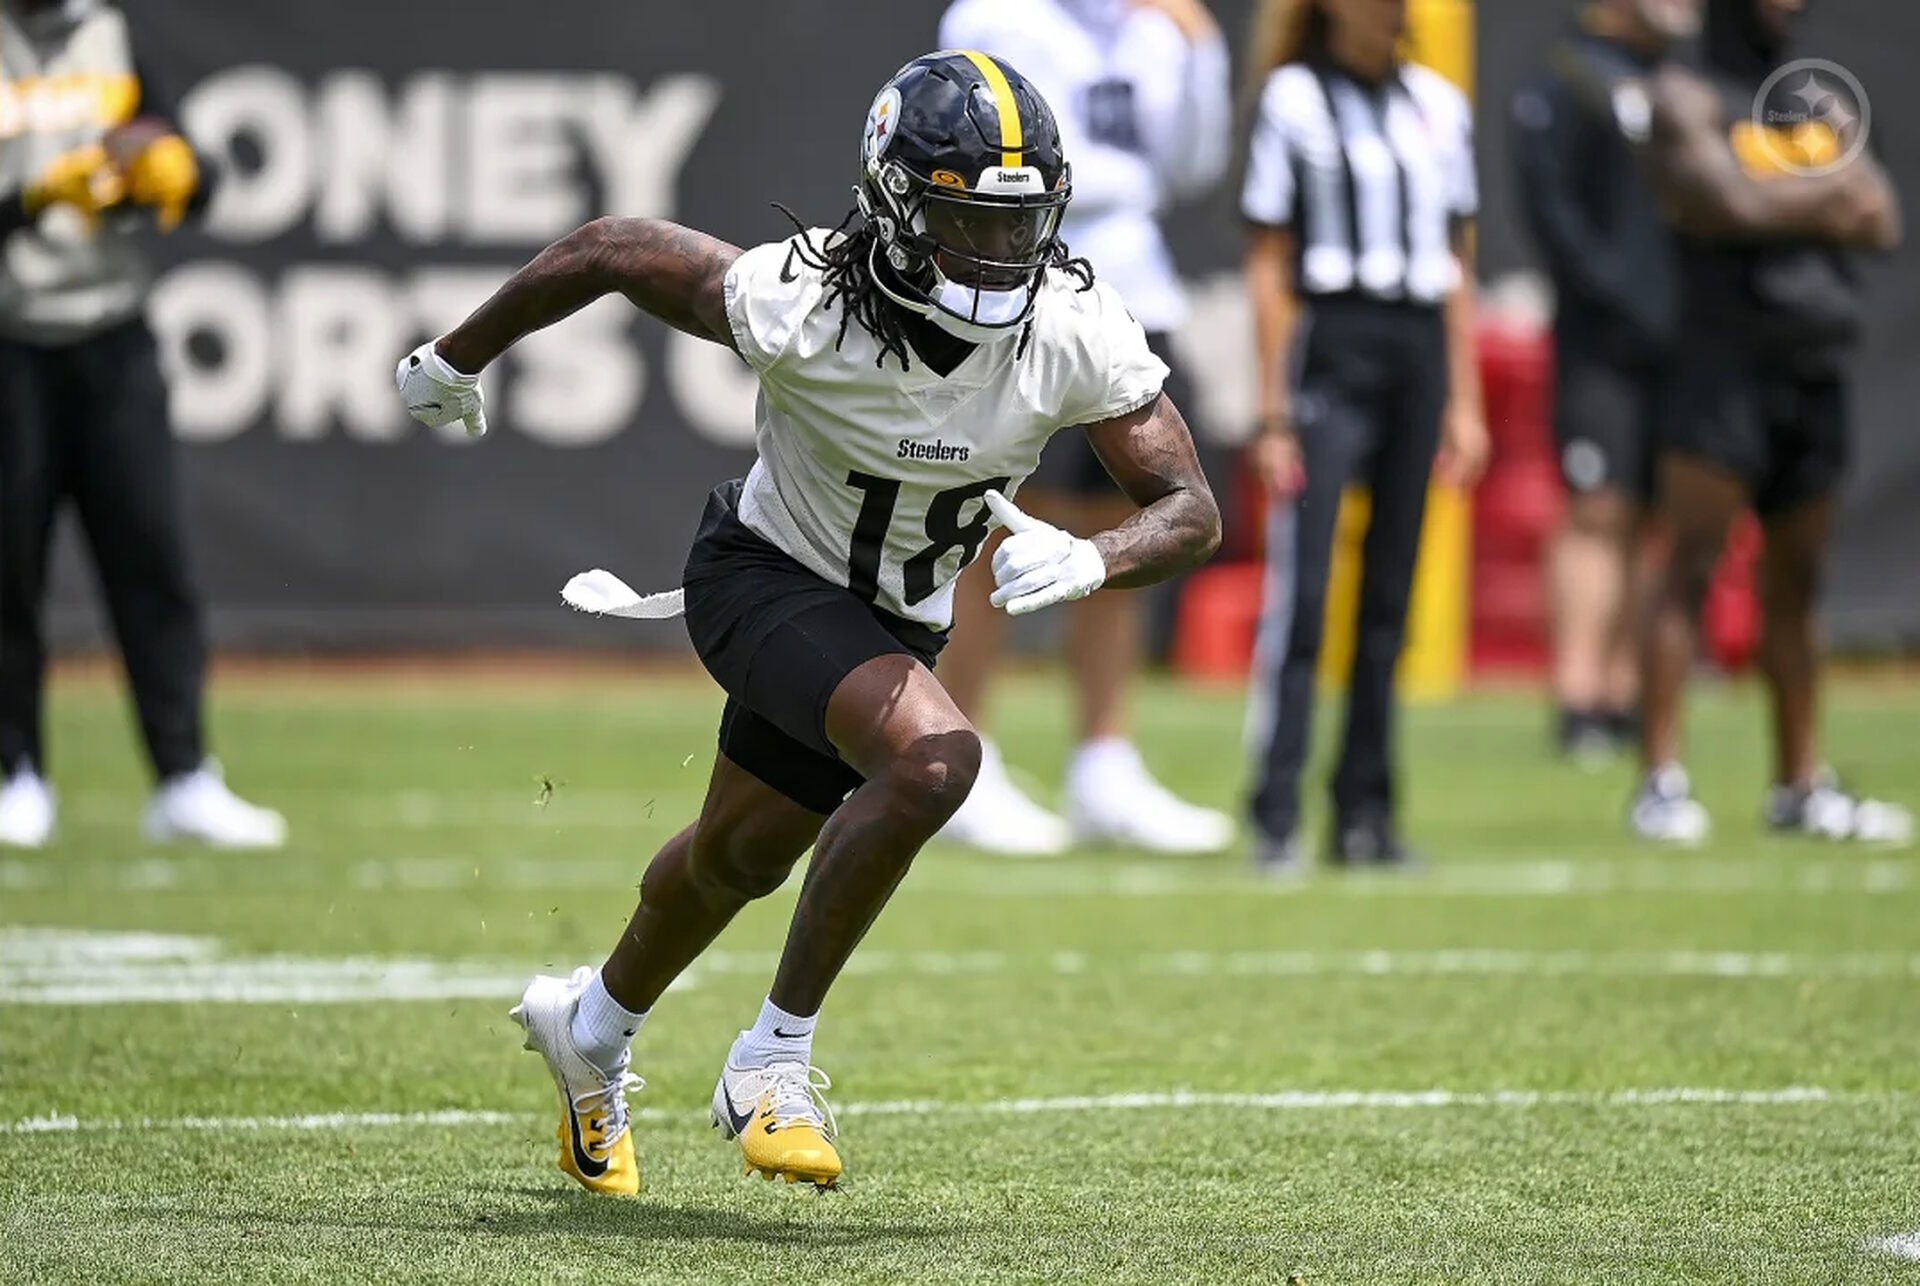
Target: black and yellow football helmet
(963,182)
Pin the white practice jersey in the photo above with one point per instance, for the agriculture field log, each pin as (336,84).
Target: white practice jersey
(873,477)
(1145,117)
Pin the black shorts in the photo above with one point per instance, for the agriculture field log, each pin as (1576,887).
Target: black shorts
(779,640)
(1605,422)
(1068,465)
(1784,434)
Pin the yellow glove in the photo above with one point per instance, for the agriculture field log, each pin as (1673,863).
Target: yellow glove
(165,175)
(82,178)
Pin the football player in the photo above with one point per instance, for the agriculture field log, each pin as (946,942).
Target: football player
(912,363)
(1770,226)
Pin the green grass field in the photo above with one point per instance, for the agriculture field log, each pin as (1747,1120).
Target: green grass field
(1551,1057)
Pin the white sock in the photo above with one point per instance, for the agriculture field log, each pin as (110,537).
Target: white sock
(776,1037)
(602,1026)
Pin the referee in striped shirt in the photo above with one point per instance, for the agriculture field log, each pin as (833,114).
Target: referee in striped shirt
(1359,192)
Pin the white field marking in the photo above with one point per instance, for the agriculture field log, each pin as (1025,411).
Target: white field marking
(1516,878)
(1904,1246)
(79,967)
(55,1124)
(1340,1100)
(599,807)
(1490,962)
(82,967)
(943,875)
(1475,962)
(1153,1101)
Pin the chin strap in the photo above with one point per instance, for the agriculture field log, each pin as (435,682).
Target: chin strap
(997,309)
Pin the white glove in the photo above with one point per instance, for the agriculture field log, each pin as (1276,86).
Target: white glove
(1039,565)
(436,394)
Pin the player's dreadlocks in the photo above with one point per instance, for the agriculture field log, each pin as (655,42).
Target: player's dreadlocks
(845,265)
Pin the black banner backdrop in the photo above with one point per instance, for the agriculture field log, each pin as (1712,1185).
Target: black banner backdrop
(390,163)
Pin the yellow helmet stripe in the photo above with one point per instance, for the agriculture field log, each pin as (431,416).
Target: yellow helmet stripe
(1012,137)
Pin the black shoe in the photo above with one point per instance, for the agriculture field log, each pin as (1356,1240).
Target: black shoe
(1624,726)
(1371,845)
(1280,859)
(1587,737)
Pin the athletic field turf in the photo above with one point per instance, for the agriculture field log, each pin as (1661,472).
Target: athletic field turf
(1551,1057)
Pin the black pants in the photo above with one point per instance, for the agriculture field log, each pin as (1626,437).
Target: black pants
(87,422)
(1368,405)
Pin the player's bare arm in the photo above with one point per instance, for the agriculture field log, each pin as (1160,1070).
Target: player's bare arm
(1150,455)
(669,271)
(1708,193)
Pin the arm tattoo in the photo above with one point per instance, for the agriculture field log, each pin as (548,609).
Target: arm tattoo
(674,273)
(1150,454)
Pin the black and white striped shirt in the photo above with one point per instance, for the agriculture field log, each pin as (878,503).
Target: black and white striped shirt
(1370,179)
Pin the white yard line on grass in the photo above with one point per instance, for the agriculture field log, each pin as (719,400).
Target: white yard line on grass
(56,966)
(1904,1246)
(56,1124)
(1340,1100)
(940,875)
(1157,1101)
(1461,962)
(943,875)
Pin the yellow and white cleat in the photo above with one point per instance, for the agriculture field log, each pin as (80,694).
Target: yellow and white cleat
(596,1141)
(780,1118)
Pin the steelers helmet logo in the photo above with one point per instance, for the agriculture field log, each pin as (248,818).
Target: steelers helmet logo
(882,120)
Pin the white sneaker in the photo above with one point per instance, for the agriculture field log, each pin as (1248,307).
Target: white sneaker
(26,810)
(1113,799)
(1665,810)
(596,1134)
(1826,811)
(198,806)
(997,816)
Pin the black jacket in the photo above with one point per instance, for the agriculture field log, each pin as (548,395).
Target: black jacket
(1594,216)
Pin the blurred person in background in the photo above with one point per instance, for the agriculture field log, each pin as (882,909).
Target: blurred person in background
(89,156)
(1144,102)
(1600,230)
(1769,219)
(1359,195)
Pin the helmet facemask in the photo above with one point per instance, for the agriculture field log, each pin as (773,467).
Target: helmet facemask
(969,260)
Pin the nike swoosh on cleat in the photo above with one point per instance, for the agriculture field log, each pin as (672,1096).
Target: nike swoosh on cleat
(736,1120)
(583,1160)
(428,406)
